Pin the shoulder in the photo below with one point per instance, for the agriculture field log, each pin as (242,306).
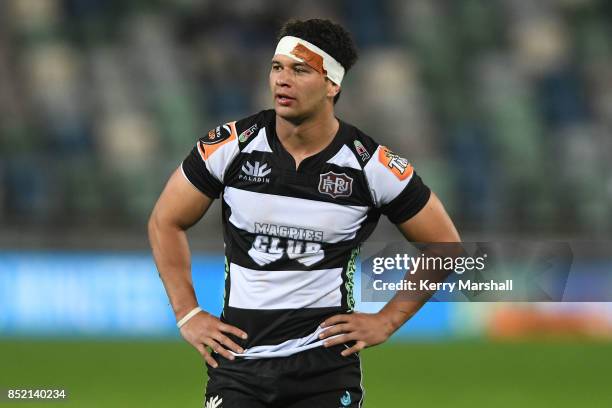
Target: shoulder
(248,128)
(234,135)
(386,172)
(249,125)
(363,146)
(377,157)
(373,156)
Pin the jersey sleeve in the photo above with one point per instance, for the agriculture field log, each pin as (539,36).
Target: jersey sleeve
(207,162)
(395,187)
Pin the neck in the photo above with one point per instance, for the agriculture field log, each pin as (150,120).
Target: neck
(307,137)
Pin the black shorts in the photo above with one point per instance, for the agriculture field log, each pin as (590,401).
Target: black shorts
(315,378)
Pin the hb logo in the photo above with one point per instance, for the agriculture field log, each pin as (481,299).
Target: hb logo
(335,185)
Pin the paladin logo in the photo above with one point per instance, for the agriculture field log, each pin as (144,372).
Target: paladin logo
(346,399)
(214,402)
(255,172)
(335,185)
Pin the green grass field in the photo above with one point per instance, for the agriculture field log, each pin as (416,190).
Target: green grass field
(448,374)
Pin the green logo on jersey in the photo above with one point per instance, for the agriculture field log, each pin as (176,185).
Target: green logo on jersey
(225,279)
(351,267)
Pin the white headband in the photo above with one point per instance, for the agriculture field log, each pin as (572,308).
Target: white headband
(303,51)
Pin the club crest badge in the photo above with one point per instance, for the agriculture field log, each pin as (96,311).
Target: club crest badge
(335,185)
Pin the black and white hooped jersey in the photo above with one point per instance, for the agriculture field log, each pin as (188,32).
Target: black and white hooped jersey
(292,235)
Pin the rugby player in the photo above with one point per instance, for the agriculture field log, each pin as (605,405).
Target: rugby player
(301,190)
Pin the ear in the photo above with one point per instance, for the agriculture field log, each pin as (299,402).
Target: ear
(333,89)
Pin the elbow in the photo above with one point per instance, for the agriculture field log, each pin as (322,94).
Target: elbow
(160,224)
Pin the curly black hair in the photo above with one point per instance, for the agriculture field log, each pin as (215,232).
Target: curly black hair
(327,35)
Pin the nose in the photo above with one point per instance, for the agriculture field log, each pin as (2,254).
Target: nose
(282,78)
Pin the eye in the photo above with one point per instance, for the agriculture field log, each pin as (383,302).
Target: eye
(276,67)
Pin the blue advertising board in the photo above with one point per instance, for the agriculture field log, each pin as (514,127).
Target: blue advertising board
(121,295)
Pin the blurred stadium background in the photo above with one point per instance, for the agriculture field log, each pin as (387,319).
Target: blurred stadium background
(503,106)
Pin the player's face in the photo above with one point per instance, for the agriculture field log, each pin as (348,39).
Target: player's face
(299,91)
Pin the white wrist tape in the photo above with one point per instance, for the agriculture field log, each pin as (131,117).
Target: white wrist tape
(303,51)
(188,316)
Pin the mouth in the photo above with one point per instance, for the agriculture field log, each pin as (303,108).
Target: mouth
(283,99)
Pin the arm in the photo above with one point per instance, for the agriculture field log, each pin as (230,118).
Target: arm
(431,224)
(179,207)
